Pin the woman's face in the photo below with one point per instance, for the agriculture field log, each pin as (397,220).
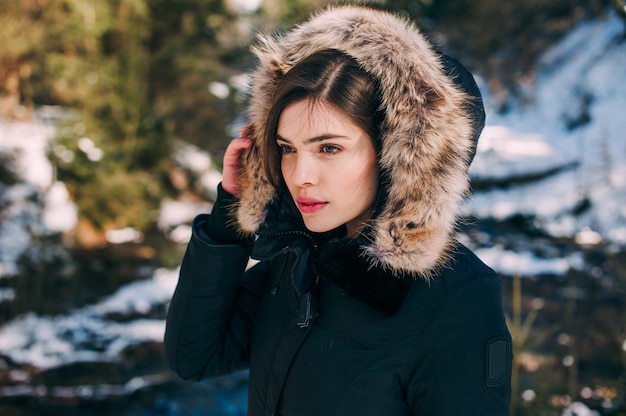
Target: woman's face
(329,165)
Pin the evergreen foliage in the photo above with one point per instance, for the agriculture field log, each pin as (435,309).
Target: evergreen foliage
(135,74)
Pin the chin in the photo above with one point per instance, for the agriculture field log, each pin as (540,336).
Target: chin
(319,228)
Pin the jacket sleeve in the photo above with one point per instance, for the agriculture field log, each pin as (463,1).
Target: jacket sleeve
(212,311)
(463,367)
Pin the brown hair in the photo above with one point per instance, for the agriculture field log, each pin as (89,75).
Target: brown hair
(331,77)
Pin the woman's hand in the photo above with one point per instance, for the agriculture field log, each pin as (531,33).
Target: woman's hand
(232,160)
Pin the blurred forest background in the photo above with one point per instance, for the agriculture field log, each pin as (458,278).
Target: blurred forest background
(137,75)
(131,82)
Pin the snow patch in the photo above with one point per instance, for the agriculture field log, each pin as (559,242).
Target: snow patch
(88,334)
(573,116)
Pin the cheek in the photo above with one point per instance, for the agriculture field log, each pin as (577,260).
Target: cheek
(284,169)
(372,188)
(360,189)
(370,178)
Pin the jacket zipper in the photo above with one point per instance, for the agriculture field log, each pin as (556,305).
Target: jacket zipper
(307,317)
(287,233)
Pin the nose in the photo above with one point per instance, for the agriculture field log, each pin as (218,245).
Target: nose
(304,172)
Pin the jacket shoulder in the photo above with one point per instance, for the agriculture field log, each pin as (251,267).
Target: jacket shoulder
(463,268)
(465,286)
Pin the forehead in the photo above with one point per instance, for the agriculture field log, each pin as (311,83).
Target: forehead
(309,119)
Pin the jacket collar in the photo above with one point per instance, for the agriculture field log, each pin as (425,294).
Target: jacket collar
(330,256)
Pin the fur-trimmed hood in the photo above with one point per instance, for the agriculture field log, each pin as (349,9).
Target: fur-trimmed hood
(433,118)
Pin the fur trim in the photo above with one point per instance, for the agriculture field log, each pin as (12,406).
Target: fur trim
(427,139)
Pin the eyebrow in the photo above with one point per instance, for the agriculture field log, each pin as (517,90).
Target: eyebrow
(315,139)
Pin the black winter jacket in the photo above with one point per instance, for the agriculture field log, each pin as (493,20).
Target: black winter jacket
(316,348)
(402,320)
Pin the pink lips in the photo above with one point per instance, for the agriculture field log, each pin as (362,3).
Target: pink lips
(310,205)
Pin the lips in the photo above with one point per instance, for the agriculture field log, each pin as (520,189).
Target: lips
(310,205)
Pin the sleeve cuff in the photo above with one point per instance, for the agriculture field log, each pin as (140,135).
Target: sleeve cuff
(221,226)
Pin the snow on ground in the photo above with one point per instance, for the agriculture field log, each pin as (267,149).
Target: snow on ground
(39,204)
(573,117)
(88,334)
(525,263)
(579,409)
(31,140)
(14,235)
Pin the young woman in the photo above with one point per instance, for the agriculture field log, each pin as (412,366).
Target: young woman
(346,187)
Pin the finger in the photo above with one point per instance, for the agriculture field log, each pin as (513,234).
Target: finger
(240,143)
(232,155)
(237,145)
